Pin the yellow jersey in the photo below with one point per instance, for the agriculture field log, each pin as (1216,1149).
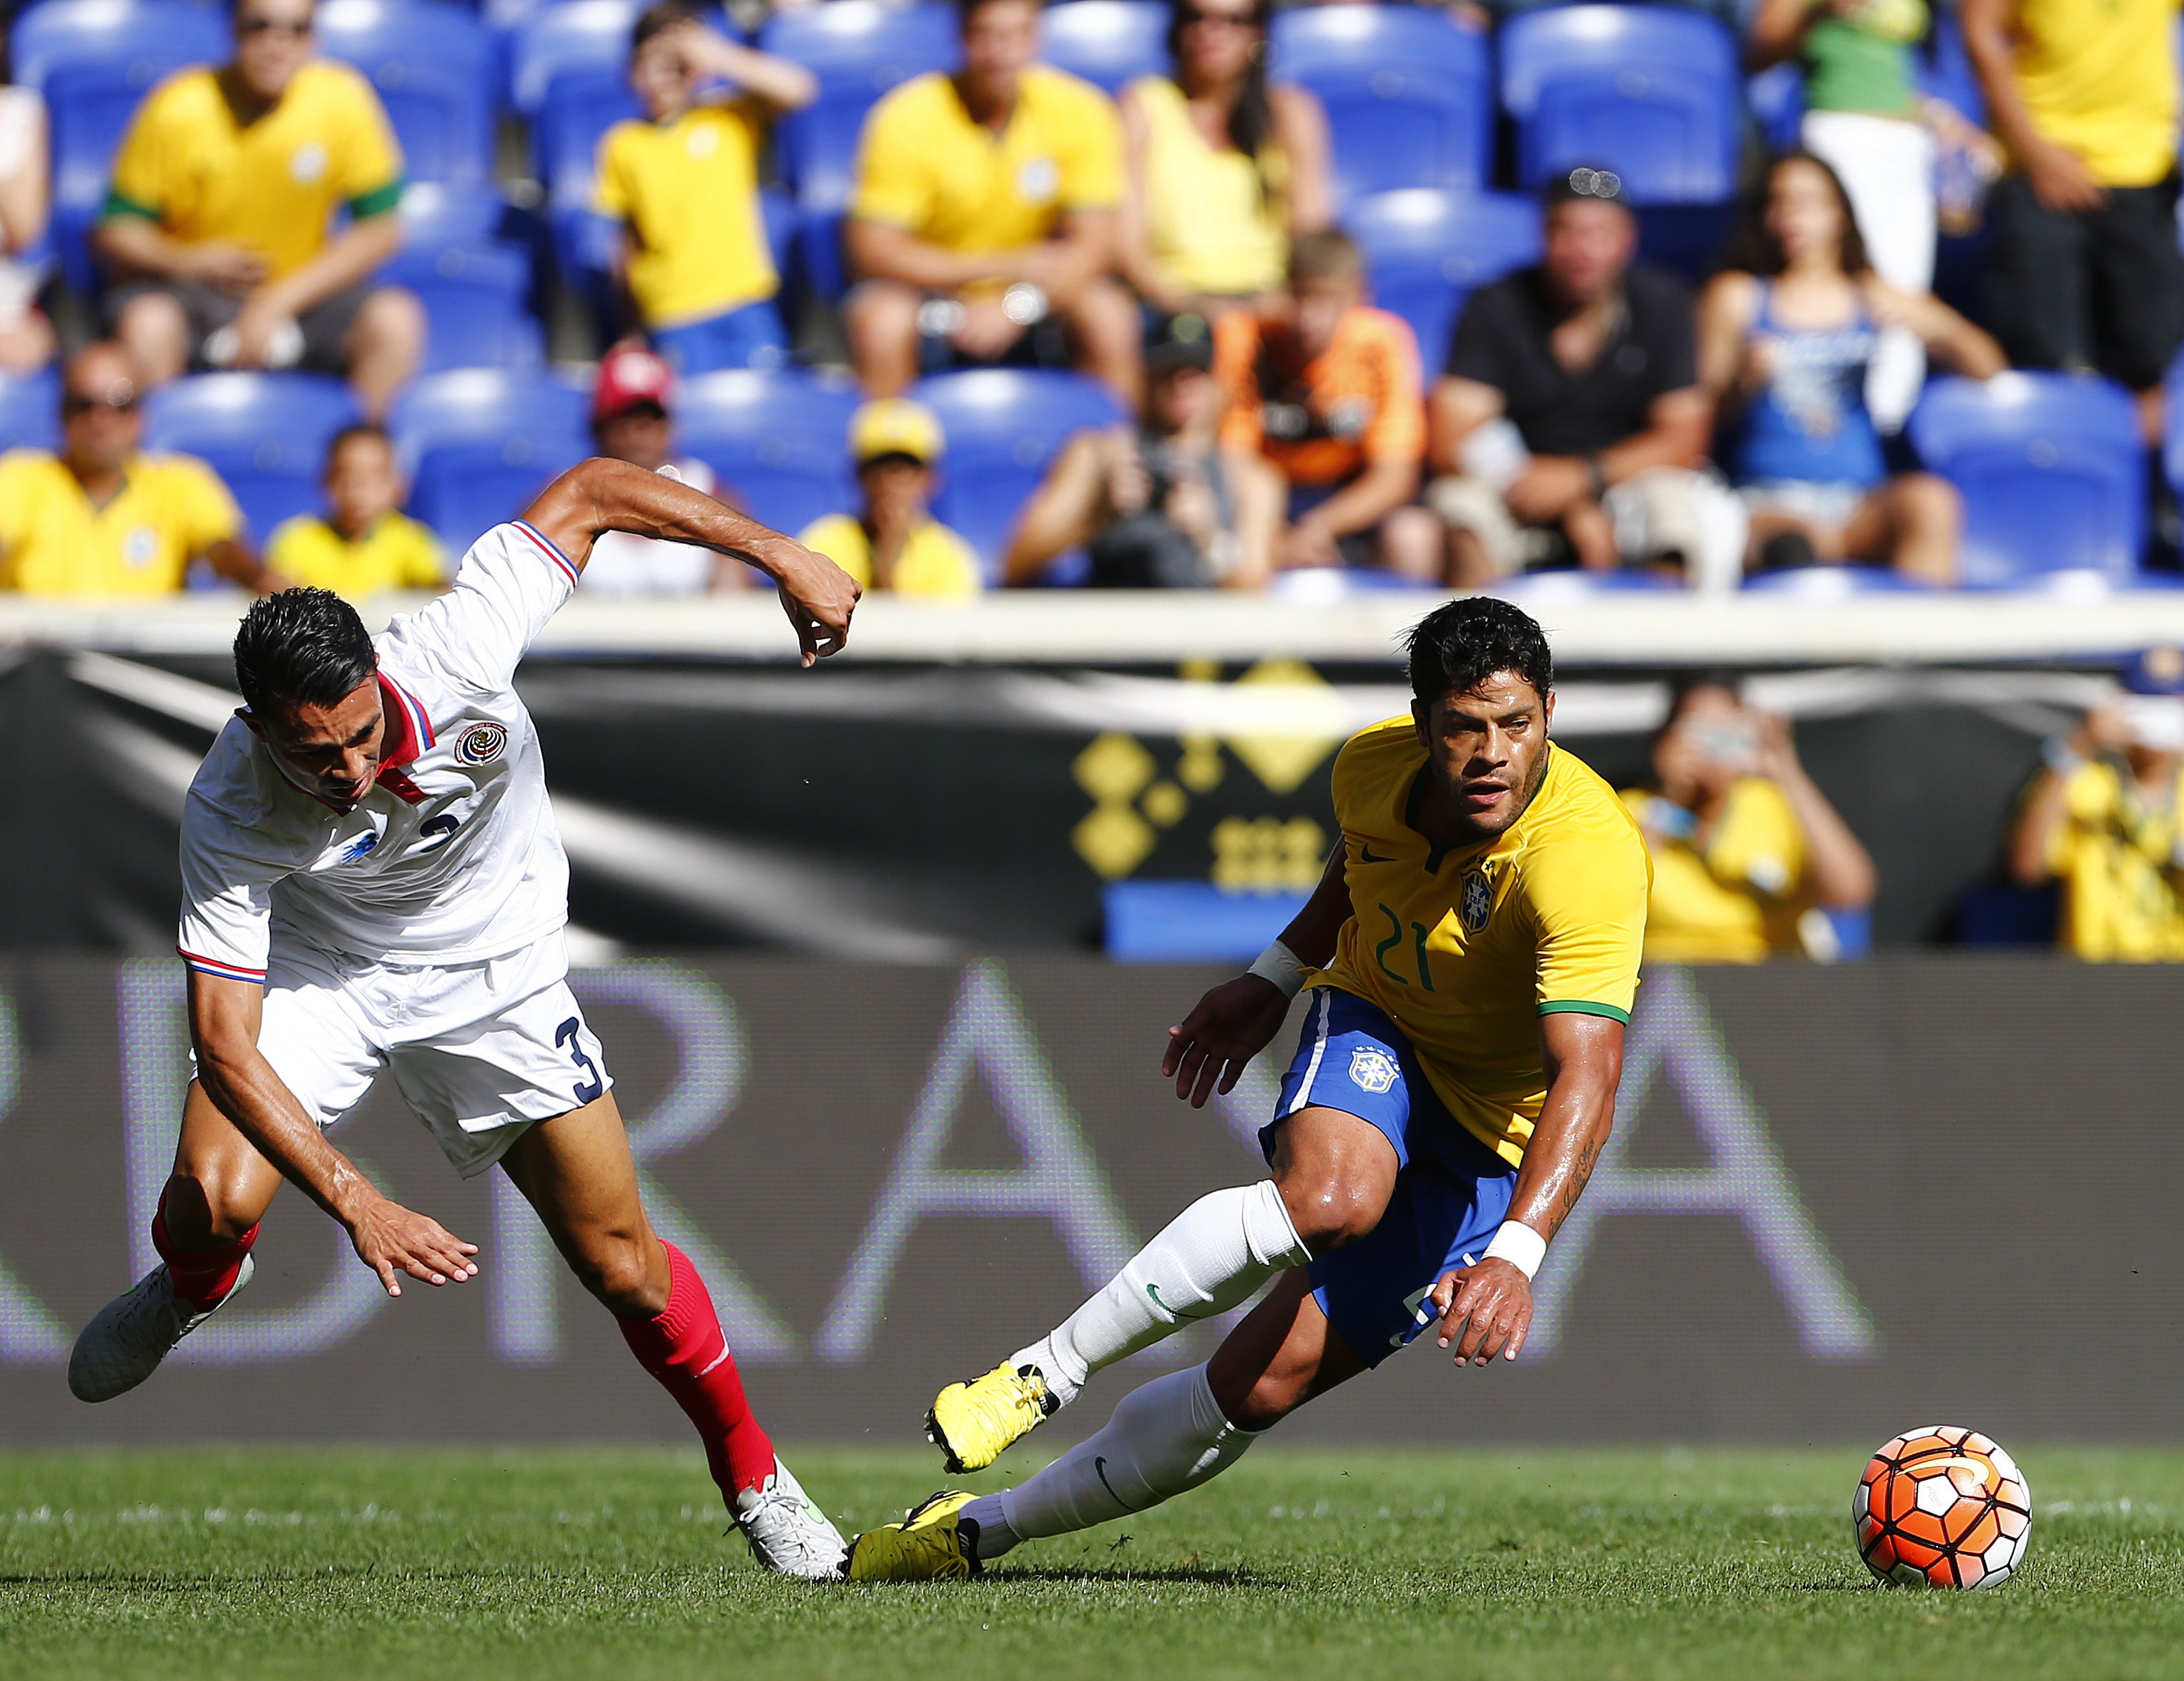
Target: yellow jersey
(394,552)
(53,542)
(2119,866)
(924,166)
(935,562)
(686,193)
(1742,898)
(1217,221)
(271,186)
(2099,77)
(1466,950)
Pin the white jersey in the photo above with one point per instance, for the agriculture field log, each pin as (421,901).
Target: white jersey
(451,856)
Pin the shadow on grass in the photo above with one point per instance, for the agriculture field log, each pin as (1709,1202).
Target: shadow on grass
(1235,1578)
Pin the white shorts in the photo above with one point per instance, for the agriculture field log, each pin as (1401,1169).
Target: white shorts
(480,1050)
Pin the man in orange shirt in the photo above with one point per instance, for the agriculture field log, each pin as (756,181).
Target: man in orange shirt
(1330,392)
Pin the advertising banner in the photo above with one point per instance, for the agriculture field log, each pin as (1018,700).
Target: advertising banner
(1839,1202)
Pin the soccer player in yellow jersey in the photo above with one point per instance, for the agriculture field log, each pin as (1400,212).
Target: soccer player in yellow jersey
(984,216)
(683,185)
(221,217)
(104,519)
(364,543)
(1472,952)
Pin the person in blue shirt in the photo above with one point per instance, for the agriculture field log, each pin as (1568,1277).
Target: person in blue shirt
(1786,331)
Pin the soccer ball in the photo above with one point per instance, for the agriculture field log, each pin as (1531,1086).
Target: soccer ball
(1941,1508)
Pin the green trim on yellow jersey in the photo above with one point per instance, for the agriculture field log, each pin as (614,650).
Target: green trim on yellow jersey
(116,205)
(1578,1007)
(379,201)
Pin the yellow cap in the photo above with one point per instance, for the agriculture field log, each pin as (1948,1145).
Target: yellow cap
(895,426)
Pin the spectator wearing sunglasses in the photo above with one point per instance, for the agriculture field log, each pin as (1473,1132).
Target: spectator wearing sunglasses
(102,520)
(1221,166)
(219,224)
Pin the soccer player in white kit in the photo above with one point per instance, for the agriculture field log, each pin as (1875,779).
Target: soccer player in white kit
(372,880)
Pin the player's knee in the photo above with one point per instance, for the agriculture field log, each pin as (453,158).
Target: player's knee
(624,1273)
(1329,1213)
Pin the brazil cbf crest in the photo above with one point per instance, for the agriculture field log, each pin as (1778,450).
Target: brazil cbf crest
(481,743)
(1373,1070)
(1477,904)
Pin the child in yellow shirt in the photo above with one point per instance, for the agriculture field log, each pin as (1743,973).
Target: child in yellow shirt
(363,543)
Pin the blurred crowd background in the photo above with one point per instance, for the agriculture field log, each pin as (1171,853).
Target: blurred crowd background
(1863,301)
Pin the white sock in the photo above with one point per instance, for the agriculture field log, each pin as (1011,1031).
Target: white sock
(1209,1258)
(1167,1436)
(994,1535)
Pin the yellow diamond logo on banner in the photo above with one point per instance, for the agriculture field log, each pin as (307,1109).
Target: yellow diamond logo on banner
(1282,760)
(1113,839)
(1114,767)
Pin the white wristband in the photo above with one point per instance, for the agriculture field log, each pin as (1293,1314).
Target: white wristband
(1520,1245)
(1279,964)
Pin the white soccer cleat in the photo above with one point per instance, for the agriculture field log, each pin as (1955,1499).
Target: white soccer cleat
(787,1533)
(123,1345)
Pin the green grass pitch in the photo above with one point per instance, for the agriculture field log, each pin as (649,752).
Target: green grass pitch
(360,1564)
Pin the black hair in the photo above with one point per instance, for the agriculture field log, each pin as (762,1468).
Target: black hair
(1251,117)
(1686,684)
(1328,253)
(965,10)
(1456,646)
(301,648)
(1753,250)
(348,435)
(659,19)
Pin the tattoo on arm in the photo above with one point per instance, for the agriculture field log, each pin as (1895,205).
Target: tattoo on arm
(1573,1185)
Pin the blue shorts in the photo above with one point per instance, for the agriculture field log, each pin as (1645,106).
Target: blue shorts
(746,337)
(1451,1193)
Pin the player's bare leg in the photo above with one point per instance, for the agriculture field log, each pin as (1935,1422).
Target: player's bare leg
(577,1172)
(1333,1174)
(1165,1437)
(204,1228)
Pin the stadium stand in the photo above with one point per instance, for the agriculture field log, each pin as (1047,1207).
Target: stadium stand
(431,63)
(475,289)
(29,410)
(1108,42)
(567,80)
(478,443)
(2050,468)
(1409,92)
(776,438)
(858,49)
(1004,427)
(1427,249)
(93,61)
(265,434)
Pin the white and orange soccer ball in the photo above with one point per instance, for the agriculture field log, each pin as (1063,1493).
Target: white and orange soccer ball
(1941,1508)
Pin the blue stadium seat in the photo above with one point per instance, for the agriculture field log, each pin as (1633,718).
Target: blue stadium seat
(29,410)
(2052,471)
(1943,69)
(94,60)
(568,77)
(1107,42)
(1776,98)
(1428,249)
(478,444)
(1652,92)
(858,49)
(475,289)
(430,61)
(1004,427)
(1409,94)
(265,434)
(778,438)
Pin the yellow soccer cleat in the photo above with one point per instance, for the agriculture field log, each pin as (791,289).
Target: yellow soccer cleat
(972,1423)
(926,1546)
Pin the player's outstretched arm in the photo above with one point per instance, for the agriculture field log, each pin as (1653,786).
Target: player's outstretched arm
(1486,1310)
(603,495)
(1231,1024)
(389,1238)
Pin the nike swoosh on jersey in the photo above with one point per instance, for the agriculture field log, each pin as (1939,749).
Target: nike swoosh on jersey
(1100,1470)
(1367,856)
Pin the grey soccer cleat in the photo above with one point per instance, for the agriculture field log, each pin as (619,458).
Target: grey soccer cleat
(123,1345)
(787,1533)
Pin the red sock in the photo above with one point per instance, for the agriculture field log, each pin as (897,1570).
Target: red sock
(201,1276)
(686,1350)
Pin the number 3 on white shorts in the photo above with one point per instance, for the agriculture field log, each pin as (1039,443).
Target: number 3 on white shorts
(592,1088)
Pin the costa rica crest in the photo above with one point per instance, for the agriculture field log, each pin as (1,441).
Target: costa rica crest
(481,743)
(1476,904)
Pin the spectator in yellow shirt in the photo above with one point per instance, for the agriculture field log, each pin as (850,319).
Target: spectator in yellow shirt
(219,222)
(684,184)
(363,543)
(982,224)
(101,520)
(1745,847)
(892,543)
(2101,817)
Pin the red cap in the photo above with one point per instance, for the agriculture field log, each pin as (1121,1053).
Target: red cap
(627,377)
